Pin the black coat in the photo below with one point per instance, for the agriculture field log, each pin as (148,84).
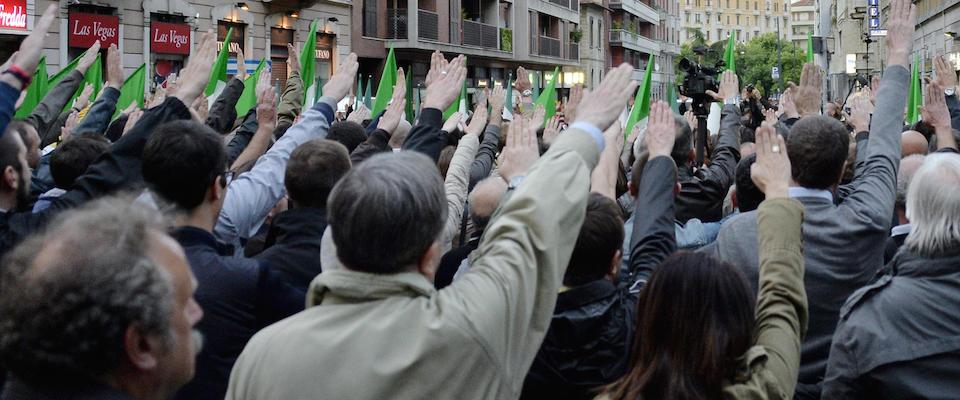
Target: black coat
(55,389)
(702,192)
(292,247)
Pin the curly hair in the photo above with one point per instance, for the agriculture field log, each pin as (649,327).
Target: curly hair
(68,295)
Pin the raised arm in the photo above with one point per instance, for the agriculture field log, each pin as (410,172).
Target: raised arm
(223,113)
(266,121)
(458,175)
(23,62)
(49,109)
(507,298)
(443,86)
(251,196)
(483,162)
(291,101)
(100,114)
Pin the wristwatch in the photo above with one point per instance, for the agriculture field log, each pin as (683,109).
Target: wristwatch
(950,91)
(731,100)
(527,93)
(515,181)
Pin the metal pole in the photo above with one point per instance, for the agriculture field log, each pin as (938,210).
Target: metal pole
(779,59)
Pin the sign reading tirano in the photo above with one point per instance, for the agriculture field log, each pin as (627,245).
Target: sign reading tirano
(13,14)
(85,29)
(168,38)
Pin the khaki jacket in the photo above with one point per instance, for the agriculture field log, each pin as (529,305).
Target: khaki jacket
(369,336)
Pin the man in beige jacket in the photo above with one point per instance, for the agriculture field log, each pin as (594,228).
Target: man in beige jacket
(377,329)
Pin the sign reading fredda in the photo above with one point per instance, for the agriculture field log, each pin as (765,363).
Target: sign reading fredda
(167,38)
(85,29)
(13,14)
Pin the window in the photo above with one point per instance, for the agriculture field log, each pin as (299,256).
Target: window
(696,18)
(708,3)
(719,33)
(591,32)
(728,19)
(738,19)
(370,18)
(686,16)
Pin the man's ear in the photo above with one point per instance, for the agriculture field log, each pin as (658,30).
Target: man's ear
(430,260)
(142,351)
(217,191)
(10,178)
(615,264)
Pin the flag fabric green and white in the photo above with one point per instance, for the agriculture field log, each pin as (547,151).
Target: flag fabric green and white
(93,76)
(308,61)
(730,54)
(367,100)
(36,91)
(388,79)
(248,99)
(914,98)
(641,103)
(810,47)
(548,99)
(536,85)
(359,93)
(672,97)
(460,104)
(408,108)
(218,74)
(132,90)
(508,102)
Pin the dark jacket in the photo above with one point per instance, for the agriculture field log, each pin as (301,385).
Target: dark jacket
(377,142)
(17,389)
(592,329)
(239,296)
(292,247)
(427,137)
(702,192)
(892,247)
(451,261)
(8,98)
(117,169)
(486,155)
(101,112)
(46,114)
(244,134)
(899,338)
(223,113)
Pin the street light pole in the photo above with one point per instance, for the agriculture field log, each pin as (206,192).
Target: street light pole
(779,59)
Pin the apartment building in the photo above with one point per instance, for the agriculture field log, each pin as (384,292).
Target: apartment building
(803,16)
(749,18)
(595,43)
(641,29)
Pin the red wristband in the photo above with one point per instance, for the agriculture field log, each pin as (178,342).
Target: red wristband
(20,74)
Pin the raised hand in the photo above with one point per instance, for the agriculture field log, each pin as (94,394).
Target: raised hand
(445,88)
(521,150)
(874,88)
(808,95)
(523,80)
(27,58)
(497,99)
(84,99)
(771,172)
(293,63)
(729,84)
(661,130)
(391,118)
(451,123)
(859,116)
(479,120)
(132,120)
(241,65)
(602,106)
(359,114)
(900,27)
(266,102)
(576,96)
(197,72)
(787,104)
(438,65)
(200,107)
(946,76)
(539,113)
(552,129)
(342,81)
(935,112)
(88,58)
(69,126)
(114,68)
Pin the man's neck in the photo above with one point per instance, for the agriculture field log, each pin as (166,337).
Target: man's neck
(8,201)
(203,217)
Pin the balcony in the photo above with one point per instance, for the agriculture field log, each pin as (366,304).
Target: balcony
(549,47)
(640,9)
(428,25)
(571,4)
(633,41)
(396,23)
(480,35)
(573,51)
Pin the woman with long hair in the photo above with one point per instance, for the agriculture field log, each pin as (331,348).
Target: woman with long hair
(697,334)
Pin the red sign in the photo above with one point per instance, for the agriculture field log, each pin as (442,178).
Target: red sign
(13,14)
(85,29)
(167,38)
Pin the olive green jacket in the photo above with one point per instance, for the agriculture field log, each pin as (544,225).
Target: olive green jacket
(367,336)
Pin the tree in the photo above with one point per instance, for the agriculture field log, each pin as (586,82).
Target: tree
(756,59)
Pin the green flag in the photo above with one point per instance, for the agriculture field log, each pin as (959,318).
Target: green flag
(508,102)
(387,80)
(672,97)
(248,99)
(408,108)
(218,74)
(536,86)
(810,47)
(730,54)
(641,103)
(914,97)
(460,104)
(548,99)
(36,91)
(367,101)
(308,61)
(319,91)
(359,93)
(132,90)
(93,76)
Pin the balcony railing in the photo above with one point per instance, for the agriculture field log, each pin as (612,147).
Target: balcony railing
(633,41)
(549,46)
(573,51)
(480,34)
(397,23)
(429,25)
(638,8)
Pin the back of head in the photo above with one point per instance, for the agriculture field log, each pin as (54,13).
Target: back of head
(933,207)
(683,144)
(314,168)
(10,148)
(348,133)
(72,158)
(908,168)
(70,294)
(818,147)
(601,237)
(695,317)
(912,142)
(749,196)
(400,134)
(387,212)
(484,200)
(446,157)
(181,160)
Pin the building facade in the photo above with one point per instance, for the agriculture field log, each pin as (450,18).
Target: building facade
(716,19)
(161,34)
(803,15)
(641,29)
(595,44)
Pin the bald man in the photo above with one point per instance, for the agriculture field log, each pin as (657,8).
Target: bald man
(912,143)
(483,201)
(908,167)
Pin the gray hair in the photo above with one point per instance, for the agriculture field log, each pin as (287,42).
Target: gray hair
(908,168)
(68,295)
(933,207)
(387,212)
(484,200)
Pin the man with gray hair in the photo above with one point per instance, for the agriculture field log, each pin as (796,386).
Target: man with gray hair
(897,336)
(908,167)
(378,329)
(99,307)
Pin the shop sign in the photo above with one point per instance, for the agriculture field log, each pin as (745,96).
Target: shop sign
(85,29)
(13,14)
(168,38)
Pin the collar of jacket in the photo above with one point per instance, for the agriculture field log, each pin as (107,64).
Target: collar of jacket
(298,222)
(193,236)
(907,264)
(346,286)
(584,294)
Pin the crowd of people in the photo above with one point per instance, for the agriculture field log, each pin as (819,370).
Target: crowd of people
(183,251)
